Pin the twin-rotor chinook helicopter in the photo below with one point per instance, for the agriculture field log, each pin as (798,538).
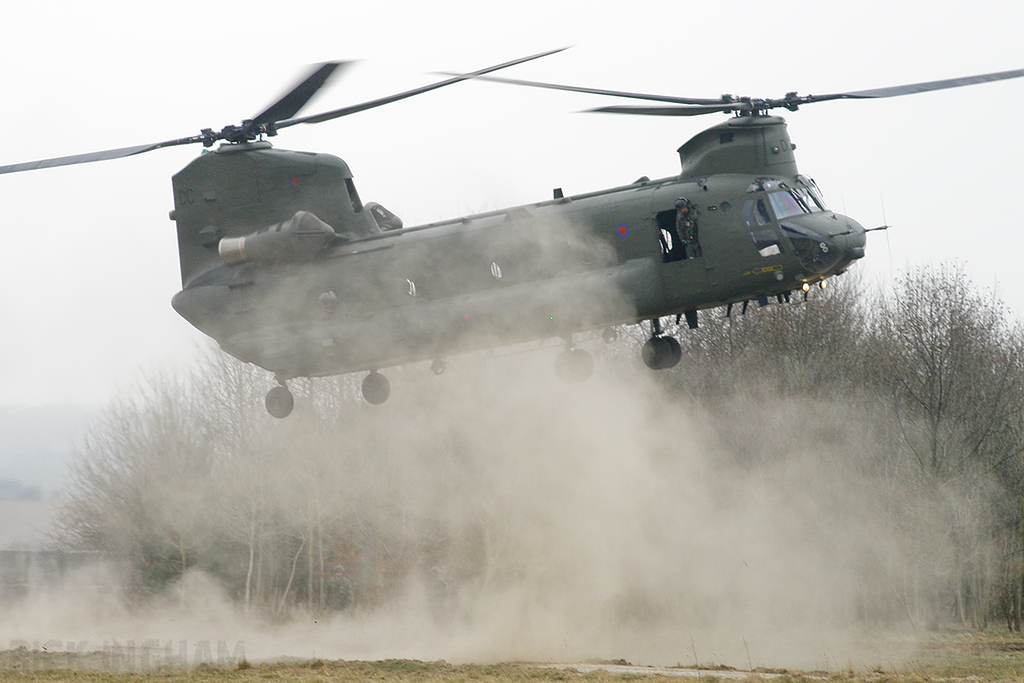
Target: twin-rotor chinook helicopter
(286,267)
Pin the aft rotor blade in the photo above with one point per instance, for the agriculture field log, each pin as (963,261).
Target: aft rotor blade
(88,157)
(696,110)
(371,104)
(271,117)
(598,91)
(289,105)
(913,88)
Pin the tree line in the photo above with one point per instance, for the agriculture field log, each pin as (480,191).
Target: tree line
(903,405)
(931,369)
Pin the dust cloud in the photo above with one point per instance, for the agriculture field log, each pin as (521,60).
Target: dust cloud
(603,520)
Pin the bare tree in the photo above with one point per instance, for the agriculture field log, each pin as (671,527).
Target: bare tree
(952,362)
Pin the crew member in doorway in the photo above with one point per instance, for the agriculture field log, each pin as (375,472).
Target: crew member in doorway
(686,226)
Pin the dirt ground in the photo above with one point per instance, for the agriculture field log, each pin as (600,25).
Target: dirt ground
(984,657)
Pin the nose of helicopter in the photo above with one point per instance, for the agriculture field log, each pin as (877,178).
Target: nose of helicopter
(850,238)
(824,243)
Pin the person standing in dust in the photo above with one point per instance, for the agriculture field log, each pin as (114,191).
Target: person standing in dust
(339,590)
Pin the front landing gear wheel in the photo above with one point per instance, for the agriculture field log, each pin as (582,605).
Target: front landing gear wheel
(574,365)
(280,402)
(376,388)
(661,353)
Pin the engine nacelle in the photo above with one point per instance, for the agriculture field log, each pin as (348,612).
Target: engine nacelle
(301,238)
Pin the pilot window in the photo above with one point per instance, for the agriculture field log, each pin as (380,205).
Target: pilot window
(785,204)
(807,186)
(807,200)
(755,213)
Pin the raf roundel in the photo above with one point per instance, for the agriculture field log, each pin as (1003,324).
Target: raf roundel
(622,230)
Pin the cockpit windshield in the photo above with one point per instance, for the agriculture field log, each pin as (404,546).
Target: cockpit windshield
(807,188)
(784,200)
(785,204)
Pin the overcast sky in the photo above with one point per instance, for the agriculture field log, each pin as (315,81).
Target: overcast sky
(90,260)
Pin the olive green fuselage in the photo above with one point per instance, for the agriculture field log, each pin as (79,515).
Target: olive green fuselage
(363,297)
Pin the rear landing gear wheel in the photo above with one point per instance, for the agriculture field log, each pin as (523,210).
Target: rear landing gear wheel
(280,402)
(376,388)
(438,366)
(661,353)
(574,365)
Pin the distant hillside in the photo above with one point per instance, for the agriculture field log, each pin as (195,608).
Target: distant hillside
(36,444)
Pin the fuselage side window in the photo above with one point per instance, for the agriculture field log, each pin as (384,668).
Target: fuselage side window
(678,232)
(672,246)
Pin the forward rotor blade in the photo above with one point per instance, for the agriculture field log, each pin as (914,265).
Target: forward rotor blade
(290,104)
(598,91)
(695,110)
(727,104)
(88,157)
(355,108)
(913,88)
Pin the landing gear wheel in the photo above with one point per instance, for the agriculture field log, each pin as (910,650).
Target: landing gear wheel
(280,402)
(376,388)
(661,353)
(574,365)
(438,366)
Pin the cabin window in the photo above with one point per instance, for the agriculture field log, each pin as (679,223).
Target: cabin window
(678,232)
(672,247)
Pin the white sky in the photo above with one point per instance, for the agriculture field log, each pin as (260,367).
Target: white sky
(90,260)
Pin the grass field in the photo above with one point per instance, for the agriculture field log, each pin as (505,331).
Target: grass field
(974,657)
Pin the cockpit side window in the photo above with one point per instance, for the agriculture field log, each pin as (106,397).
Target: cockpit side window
(755,212)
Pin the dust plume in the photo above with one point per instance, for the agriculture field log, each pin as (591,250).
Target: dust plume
(514,517)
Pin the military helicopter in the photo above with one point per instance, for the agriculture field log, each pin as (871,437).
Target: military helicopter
(285,266)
